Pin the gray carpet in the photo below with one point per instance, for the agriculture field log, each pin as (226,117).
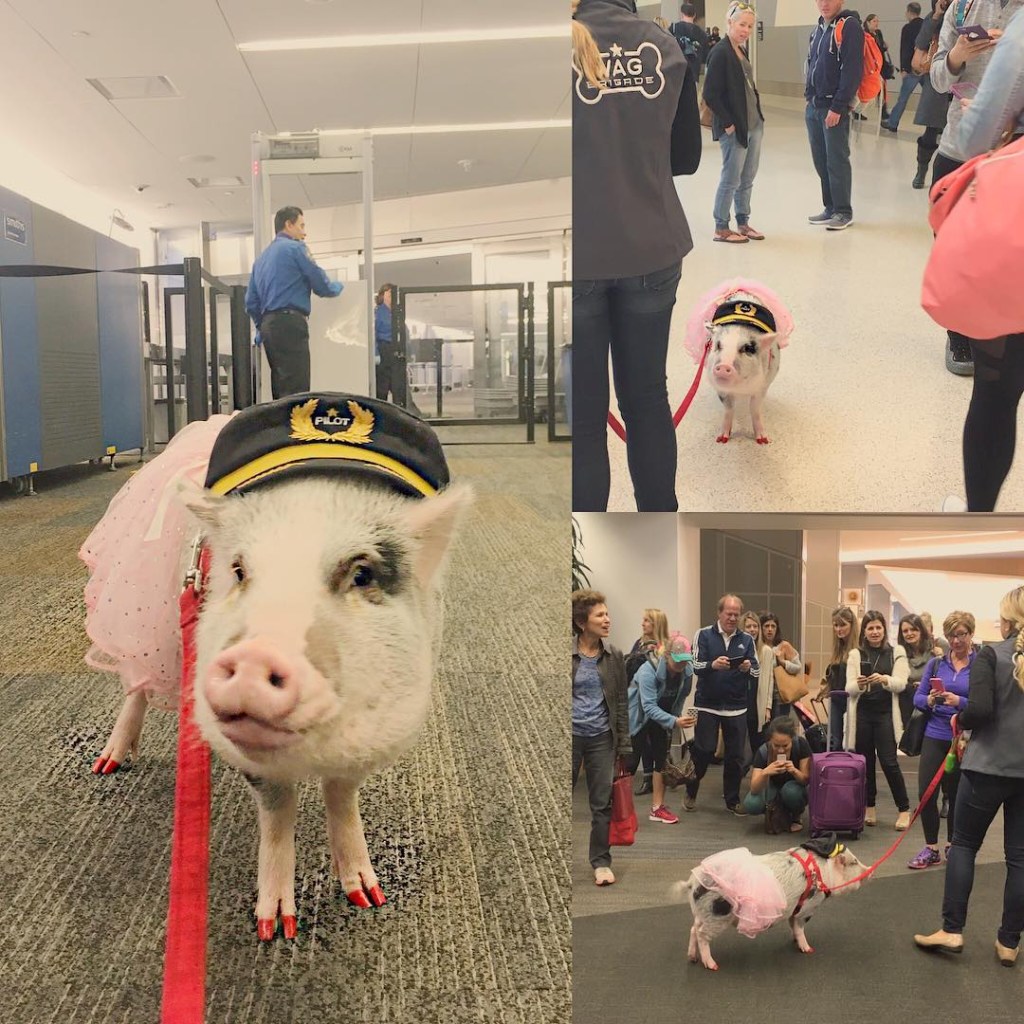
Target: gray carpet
(469,834)
(632,966)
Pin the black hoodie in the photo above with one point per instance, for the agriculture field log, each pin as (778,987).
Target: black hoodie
(627,142)
(834,72)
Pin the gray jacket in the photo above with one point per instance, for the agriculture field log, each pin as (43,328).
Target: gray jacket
(611,667)
(995,714)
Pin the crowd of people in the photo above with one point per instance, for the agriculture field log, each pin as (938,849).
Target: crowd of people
(631,234)
(624,717)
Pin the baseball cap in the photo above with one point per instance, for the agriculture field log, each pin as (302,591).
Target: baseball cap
(679,648)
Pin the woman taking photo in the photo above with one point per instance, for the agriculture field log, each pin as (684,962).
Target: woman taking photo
(737,124)
(941,702)
(650,646)
(876,673)
(844,639)
(630,239)
(992,777)
(917,642)
(751,625)
(600,719)
(775,652)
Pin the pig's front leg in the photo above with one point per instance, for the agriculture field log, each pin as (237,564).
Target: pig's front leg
(349,856)
(125,735)
(276,874)
(798,935)
(756,404)
(729,404)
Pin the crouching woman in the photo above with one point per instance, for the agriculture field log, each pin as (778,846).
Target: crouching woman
(782,769)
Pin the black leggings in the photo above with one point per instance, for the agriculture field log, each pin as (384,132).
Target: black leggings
(875,734)
(933,753)
(927,143)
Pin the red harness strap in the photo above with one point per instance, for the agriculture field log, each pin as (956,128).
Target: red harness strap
(815,882)
(184,991)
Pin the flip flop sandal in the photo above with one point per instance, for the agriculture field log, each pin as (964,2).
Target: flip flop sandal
(752,233)
(730,236)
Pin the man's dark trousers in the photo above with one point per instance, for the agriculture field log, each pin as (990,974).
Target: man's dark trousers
(705,740)
(285,337)
(391,374)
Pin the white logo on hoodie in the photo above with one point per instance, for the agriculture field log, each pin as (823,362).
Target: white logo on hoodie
(626,71)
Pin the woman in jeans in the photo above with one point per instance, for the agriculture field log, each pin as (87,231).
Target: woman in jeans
(844,640)
(600,719)
(630,236)
(992,773)
(737,124)
(876,673)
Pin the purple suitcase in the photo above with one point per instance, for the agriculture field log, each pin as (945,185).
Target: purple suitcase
(836,793)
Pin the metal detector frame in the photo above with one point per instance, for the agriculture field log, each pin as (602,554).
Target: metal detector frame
(553,435)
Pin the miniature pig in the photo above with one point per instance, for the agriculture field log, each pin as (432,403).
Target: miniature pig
(737,889)
(742,364)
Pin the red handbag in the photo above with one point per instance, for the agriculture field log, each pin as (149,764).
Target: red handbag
(972,281)
(623,827)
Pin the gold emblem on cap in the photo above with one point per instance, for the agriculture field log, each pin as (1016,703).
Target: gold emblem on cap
(358,432)
(746,308)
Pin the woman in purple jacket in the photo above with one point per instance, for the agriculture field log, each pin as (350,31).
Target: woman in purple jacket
(953,670)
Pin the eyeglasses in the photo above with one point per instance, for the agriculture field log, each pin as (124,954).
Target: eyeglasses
(962,635)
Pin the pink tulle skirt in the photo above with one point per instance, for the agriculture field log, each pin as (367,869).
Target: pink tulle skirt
(748,884)
(134,557)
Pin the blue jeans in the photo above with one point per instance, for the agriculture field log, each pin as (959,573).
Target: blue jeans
(830,150)
(978,800)
(739,166)
(791,793)
(630,318)
(907,86)
(598,759)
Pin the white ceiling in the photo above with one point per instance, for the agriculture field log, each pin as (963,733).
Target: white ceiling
(909,545)
(225,95)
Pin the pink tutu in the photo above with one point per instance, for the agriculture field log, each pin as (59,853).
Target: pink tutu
(748,884)
(697,334)
(134,559)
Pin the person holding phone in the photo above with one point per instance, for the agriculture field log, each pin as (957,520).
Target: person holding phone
(916,641)
(942,693)
(931,108)
(751,625)
(782,769)
(844,640)
(775,651)
(725,661)
(876,673)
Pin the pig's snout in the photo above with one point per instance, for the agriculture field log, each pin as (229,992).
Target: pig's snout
(724,371)
(252,688)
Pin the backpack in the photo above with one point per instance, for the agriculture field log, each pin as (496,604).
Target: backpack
(972,281)
(686,43)
(871,78)
(635,660)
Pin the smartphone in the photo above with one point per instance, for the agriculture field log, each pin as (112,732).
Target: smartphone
(736,662)
(973,32)
(937,685)
(963,90)
(780,758)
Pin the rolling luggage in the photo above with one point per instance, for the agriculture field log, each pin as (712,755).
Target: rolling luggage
(815,732)
(837,791)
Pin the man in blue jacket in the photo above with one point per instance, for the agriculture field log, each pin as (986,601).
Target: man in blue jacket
(725,662)
(834,72)
(278,301)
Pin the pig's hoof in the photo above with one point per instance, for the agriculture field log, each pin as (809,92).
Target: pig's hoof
(105,765)
(694,959)
(722,439)
(712,966)
(265,928)
(367,896)
(289,927)
(358,898)
(764,440)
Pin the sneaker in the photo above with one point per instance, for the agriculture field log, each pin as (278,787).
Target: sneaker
(689,802)
(958,356)
(603,876)
(664,815)
(927,858)
(738,809)
(820,218)
(839,222)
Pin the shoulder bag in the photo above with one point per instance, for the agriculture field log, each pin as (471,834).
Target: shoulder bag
(913,732)
(791,688)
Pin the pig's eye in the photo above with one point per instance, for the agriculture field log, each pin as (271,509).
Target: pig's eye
(363,576)
(238,568)
(718,346)
(750,348)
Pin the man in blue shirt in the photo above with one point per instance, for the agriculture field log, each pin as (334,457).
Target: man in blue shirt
(278,301)
(391,372)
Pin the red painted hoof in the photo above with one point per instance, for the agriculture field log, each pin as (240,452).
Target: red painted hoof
(289,927)
(358,899)
(111,767)
(97,766)
(764,440)
(265,930)
(722,439)
(377,896)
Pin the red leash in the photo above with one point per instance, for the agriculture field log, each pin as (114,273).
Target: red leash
(684,405)
(184,992)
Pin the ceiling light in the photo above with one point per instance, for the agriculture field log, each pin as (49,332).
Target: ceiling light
(80,34)
(974,534)
(150,87)
(446,129)
(118,218)
(197,158)
(485,35)
(225,182)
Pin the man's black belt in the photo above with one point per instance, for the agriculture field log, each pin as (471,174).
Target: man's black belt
(288,309)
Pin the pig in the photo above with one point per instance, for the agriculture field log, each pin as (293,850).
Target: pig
(316,647)
(721,891)
(739,329)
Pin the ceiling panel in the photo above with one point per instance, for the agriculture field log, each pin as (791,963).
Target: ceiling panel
(551,157)
(496,159)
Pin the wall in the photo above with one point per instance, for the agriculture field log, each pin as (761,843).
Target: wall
(821,590)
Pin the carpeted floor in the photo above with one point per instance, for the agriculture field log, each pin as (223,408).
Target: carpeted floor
(469,834)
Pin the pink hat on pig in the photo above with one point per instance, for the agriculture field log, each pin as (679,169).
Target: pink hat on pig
(697,334)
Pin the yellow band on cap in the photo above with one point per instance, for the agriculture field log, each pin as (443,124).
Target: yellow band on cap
(292,454)
(733,318)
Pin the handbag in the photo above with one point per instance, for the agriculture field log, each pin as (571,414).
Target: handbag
(676,774)
(705,113)
(791,688)
(623,827)
(972,280)
(913,734)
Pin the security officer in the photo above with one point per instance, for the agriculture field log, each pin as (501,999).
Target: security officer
(277,299)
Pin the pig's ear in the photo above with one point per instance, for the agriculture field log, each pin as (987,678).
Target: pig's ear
(203,504)
(767,340)
(433,522)
(709,326)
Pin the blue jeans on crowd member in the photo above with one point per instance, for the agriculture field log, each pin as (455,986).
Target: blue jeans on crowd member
(830,150)
(598,759)
(977,801)
(907,86)
(792,794)
(630,318)
(739,166)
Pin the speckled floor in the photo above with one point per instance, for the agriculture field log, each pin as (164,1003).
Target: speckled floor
(863,415)
(470,833)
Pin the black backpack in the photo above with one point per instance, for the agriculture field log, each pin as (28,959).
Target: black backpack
(687,43)
(637,658)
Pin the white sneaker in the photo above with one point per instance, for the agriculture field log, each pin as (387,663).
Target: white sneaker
(603,876)
(954,503)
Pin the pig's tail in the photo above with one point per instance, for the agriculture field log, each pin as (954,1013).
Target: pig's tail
(586,57)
